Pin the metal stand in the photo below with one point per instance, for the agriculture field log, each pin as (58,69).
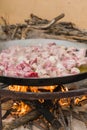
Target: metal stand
(6,94)
(1,87)
(0,115)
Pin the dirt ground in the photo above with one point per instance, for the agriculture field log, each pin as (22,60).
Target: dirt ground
(76,125)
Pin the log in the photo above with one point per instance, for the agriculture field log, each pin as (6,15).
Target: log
(63,118)
(76,115)
(7,105)
(69,119)
(21,120)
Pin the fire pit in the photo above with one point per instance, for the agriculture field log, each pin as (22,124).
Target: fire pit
(43,107)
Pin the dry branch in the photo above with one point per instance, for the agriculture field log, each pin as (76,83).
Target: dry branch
(4,21)
(6,26)
(14,32)
(50,24)
(35,20)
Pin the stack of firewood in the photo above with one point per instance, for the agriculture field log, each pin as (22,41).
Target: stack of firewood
(35,27)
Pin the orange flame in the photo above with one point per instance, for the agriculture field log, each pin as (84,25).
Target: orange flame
(22,108)
(79,99)
(18,88)
(64,101)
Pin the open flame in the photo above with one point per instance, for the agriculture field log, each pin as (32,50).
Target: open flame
(64,101)
(18,88)
(79,99)
(20,108)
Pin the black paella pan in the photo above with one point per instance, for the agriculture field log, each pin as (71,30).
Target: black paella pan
(42,81)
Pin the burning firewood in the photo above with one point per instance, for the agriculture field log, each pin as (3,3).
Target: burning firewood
(7,105)
(63,113)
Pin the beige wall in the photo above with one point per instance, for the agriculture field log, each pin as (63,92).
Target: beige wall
(16,10)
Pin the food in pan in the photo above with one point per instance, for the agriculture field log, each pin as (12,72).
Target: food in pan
(49,60)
